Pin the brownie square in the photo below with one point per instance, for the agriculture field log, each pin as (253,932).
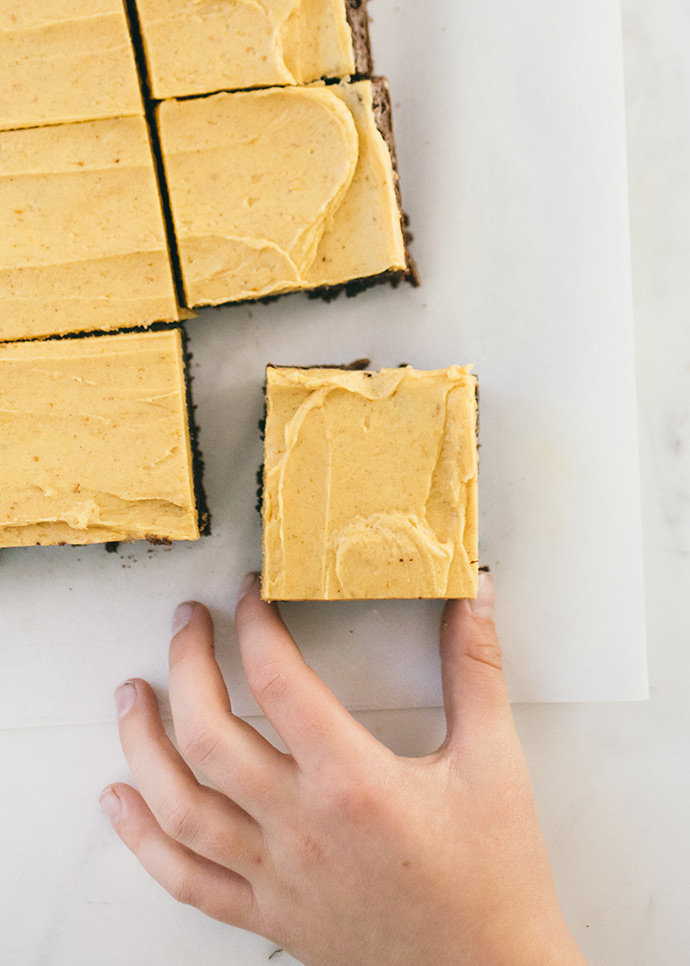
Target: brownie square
(83,245)
(370,484)
(204,48)
(96,441)
(65,60)
(281,190)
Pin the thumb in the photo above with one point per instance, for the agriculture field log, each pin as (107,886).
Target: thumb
(475,693)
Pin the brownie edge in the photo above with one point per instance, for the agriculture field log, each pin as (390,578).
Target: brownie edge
(358,19)
(203,512)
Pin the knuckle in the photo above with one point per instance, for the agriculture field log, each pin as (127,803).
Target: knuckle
(197,741)
(310,850)
(180,888)
(484,651)
(352,800)
(269,682)
(258,784)
(177,819)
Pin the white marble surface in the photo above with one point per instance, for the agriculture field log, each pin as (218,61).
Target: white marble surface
(612,781)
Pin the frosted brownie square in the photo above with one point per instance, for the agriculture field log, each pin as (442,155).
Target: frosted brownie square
(200,48)
(370,484)
(82,240)
(282,189)
(65,60)
(95,441)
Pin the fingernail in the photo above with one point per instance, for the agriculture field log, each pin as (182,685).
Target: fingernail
(247,585)
(182,617)
(124,698)
(111,804)
(483,606)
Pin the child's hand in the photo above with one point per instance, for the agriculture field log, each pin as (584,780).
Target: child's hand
(341,852)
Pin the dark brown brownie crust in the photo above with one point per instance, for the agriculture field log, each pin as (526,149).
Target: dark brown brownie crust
(358,19)
(203,512)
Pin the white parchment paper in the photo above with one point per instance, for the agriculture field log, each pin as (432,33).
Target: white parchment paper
(511,135)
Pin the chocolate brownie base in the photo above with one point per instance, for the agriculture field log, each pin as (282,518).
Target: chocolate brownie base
(358,19)
(203,512)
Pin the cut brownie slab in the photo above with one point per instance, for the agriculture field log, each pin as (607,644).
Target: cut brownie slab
(96,441)
(281,190)
(82,239)
(370,484)
(200,48)
(65,60)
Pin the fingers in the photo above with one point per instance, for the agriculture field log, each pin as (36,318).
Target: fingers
(200,818)
(189,878)
(474,688)
(228,751)
(302,709)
